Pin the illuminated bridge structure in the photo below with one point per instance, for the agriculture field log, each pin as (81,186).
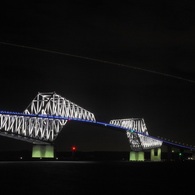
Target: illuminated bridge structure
(48,113)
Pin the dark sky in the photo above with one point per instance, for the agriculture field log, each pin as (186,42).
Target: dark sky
(66,47)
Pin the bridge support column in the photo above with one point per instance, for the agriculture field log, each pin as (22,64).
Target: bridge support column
(43,151)
(155,154)
(136,156)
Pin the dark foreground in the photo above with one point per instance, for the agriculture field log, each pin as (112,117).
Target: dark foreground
(87,177)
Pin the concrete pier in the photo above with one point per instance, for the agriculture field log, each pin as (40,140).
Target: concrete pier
(43,151)
(155,154)
(136,156)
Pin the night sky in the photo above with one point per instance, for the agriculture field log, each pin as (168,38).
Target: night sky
(117,60)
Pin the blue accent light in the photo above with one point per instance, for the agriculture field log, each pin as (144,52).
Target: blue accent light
(90,121)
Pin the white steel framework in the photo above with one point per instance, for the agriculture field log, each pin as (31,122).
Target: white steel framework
(137,133)
(46,115)
(56,105)
(32,129)
(40,128)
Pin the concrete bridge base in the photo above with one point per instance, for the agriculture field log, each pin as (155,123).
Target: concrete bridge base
(43,151)
(136,156)
(155,154)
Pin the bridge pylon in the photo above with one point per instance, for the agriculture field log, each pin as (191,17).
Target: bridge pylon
(155,154)
(43,151)
(139,139)
(136,156)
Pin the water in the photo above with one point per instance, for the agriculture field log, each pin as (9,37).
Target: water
(101,177)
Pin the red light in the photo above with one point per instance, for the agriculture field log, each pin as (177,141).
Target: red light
(73,148)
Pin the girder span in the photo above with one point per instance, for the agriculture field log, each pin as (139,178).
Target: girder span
(46,115)
(42,128)
(53,104)
(32,129)
(137,133)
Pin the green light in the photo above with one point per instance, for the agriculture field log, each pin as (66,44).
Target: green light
(40,151)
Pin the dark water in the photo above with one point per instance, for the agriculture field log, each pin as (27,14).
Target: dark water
(87,177)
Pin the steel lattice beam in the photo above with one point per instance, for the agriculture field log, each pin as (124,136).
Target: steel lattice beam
(137,133)
(46,115)
(56,105)
(43,129)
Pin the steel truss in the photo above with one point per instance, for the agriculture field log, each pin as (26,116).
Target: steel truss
(137,133)
(30,128)
(56,105)
(46,115)
(39,128)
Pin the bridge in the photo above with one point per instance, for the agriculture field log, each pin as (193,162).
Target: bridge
(48,113)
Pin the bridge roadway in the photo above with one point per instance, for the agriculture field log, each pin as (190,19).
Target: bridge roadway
(99,123)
